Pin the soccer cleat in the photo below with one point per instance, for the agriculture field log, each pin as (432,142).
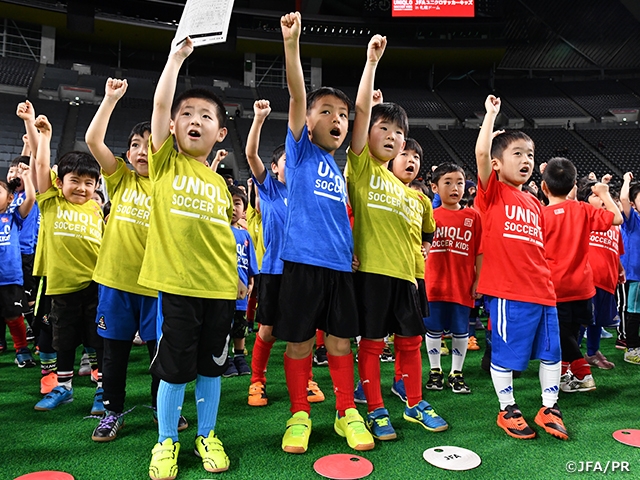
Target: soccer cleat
(58,396)
(398,389)
(30,335)
(231,371)
(444,350)
(211,451)
(425,415)
(258,395)
(137,340)
(550,418)
(98,406)
(632,355)
(600,361)
(108,427)
(472,344)
(320,356)
(379,424)
(436,378)
(24,359)
(48,382)
(513,423)
(351,426)
(387,355)
(564,378)
(574,384)
(358,394)
(605,334)
(241,365)
(456,381)
(621,344)
(314,394)
(183,424)
(95,376)
(296,437)
(164,460)
(85,366)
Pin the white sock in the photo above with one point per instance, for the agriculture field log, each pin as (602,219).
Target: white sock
(549,380)
(459,344)
(503,383)
(433,340)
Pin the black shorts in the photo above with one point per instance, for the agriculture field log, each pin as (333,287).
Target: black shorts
(239,327)
(194,339)
(268,299)
(422,298)
(73,319)
(12,302)
(578,312)
(387,305)
(315,298)
(29,282)
(256,286)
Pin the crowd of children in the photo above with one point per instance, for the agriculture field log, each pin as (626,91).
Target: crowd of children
(327,257)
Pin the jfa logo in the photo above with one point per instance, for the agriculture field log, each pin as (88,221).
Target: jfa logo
(468,222)
(5,220)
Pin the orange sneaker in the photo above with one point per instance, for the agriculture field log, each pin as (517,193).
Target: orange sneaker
(257,395)
(473,344)
(550,418)
(94,375)
(48,383)
(513,423)
(314,394)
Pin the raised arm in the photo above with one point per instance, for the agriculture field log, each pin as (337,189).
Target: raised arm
(485,137)
(24,172)
(624,194)
(163,98)
(113,91)
(43,157)
(220,155)
(27,114)
(261,110)
(291,25)
(601,190)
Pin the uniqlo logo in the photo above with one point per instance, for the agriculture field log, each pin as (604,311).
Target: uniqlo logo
(468,222)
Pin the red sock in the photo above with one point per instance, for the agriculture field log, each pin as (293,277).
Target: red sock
(18,332)
(259,360)
(580,368)
(565,367)
(319,338)
(251,308)
(398,371)
(408,356)
(297,375)
(341,370)
(369,369)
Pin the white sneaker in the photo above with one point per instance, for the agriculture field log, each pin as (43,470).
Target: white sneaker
(85,366)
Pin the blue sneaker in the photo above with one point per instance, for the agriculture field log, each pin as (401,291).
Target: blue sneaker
(98,406)
(358,394)
(379,424)
(24,359)
(605,334)
(398,389)
(424,415)
(57,396)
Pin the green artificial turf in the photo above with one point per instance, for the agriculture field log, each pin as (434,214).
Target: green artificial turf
(61,439)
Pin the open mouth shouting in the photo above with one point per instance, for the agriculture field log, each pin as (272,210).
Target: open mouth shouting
(193,134)
(335,133)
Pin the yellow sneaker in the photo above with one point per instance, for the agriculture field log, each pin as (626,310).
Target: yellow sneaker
(352,427)
(164,460)
(314,394)
(296,438)
(444,350)
(211,451)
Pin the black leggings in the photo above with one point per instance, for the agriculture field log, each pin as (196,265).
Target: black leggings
(569,341)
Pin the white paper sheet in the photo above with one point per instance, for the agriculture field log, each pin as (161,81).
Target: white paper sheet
(205,21)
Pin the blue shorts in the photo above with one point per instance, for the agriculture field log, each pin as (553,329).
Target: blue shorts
(523,331)
(605,308)
(122,314)
(448,316)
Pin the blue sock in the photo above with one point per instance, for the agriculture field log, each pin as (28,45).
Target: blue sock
(170,399)
(207,403)
(593,339)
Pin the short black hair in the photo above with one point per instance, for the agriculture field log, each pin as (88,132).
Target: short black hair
(420,185)
(106,208)
(11,186)
(443,169)
(412,144)
(584,190)
(18,160)
(139,129)
(634,191)
(277,153)
(100,194)
(80,163)
(237,192)
(560,175)
(502,141)
(203,93)
(318,93)
(390,112)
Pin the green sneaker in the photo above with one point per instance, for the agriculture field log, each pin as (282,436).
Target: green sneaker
(211,451)
(352,427)
(164,460)
(296,438)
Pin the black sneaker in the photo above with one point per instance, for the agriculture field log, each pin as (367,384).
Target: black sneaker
(231,371)
(457,383)
(30,336)
(320,357)
(241,365)
(108,427)
(387,355)
(436,377)
(182,422)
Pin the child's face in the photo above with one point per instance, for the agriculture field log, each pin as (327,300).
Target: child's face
(137,154)
(595,201)
(450,187)
(5,199)
(196,128)
(97,198)
(516,165)
(76,188)
(328,122)
(238,210)
(406,165)
(386,139)
(13,173)
(279,167)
